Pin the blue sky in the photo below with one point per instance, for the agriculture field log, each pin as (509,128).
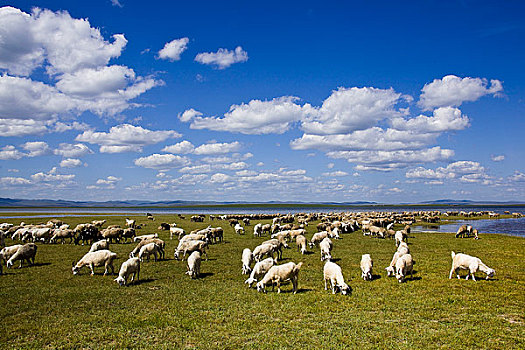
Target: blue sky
(307,101)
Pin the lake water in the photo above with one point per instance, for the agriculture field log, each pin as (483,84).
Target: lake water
(514,227)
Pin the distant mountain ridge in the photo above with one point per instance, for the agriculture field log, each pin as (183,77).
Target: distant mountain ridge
(35,203)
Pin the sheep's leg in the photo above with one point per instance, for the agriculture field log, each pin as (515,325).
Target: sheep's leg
(451,271)
(92,267)
(155,255)
(325,285)
(472,274)
(278,286)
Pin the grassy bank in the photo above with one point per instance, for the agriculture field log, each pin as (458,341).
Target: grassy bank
(45,306)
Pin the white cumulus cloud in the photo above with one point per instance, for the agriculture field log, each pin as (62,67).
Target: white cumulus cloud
(162,161)
(173,49)
(223,58)
(70,163)
(68,150)
(183,147)
(217,148)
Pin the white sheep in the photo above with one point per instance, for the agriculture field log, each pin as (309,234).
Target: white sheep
(99,245)
(332,272)
(390,269)
(144,237)
(239,229)
(159,242)
(189,247)
(259,270)
(247,258)
(128,267)
(194,264)
(399,236)
(280,273)
(326,248)
(265,249)
(7,252)
(334,233)
(130,223)
(317,238)
(26,252)
(404,266)
(257,230)
(62,234)
(366,267)
(177,231)
(403,248)
(98,258)
(149,249)
(98,223)
(300,240)
(471,264)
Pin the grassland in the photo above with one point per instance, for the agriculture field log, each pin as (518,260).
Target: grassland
(45,306)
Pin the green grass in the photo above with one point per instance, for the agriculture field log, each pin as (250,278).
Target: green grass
(45,306)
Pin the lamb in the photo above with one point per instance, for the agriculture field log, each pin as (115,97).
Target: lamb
(247,258)
(62,234)
(239,229)
(259,270)
(266,228)
(128,267)
(332,272)
(301,244)
(404,266)
(280,273)
(99,245)
(144,237)
(194,264)
(98,258)
(471,264)
(157,241)
(317,238)
(257,230)
(179,232)
(149,249)
(326,248)
(190,247)
(26,252)
(366,267)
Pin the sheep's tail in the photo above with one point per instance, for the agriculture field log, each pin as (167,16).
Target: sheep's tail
(453,255)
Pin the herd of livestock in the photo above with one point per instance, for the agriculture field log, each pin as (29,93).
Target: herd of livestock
(261,263)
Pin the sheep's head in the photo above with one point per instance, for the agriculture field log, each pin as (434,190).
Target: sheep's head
(260,287)
(9,263)
(345,289)
(75,270)
(120,280)
(490,273)
(250,281)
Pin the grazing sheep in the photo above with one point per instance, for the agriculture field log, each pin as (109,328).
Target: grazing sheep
(390,269)
(145,237)
(189,247)
(177,231)
(130,223)
(98,258)
(247,258)
(399,237)
(464,230)
(301,244)
(99,245)
(264,250)
(128,233)
(279,246)
(317,238)
(259,270)
(86,233)
(280,273)
(149,249)
(26,252)
(266,228)
(333,233)
(217,234)
(366,267)
(128,267)
(471,264)
(98,223)
(157,241)
(62,234)
(332,272)
(112,234)
(7,252)
(41,234)
(404,266)
(194,264)
(326,248)
(239,229)
(257,230)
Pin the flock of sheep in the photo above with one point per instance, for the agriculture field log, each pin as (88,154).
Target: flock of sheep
(264,257)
